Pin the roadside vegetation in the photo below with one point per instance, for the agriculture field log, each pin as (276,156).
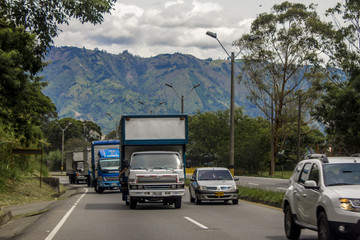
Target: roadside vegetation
(266,197)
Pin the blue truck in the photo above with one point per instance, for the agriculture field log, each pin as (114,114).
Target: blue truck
(105,162)
(153,155)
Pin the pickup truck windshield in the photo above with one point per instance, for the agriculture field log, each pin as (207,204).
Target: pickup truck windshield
(342,174)
(156,161)
(109,164)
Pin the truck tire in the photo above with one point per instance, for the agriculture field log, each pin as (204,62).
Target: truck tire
(132,203)
(177,202)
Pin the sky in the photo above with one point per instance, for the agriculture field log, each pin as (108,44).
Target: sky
(147,28)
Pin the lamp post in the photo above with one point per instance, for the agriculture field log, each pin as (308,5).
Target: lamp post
(62,144)
(232,119)
(160,103)
(182,96)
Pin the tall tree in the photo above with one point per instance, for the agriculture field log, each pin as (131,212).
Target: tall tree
(339,98)
(279,63)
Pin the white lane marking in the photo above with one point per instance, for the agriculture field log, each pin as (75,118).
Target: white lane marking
(59,225)
(280,188)
(197,223)
(255,184)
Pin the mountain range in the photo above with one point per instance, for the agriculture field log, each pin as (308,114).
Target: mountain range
(99,86)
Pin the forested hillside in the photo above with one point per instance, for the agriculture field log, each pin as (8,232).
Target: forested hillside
(87,84)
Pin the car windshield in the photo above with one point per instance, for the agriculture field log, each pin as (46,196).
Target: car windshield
(342,174)
(156,161)
(214,175)
(109,164)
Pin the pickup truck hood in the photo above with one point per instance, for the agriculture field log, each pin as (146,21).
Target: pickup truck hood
(346,191)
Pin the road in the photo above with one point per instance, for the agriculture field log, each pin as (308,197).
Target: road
(88,215)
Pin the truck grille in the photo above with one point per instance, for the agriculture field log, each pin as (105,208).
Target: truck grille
(111,179)
(157,187)
(157,179)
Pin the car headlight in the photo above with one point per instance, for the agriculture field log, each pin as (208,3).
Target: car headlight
(350,204)
(233,187)
(202,188)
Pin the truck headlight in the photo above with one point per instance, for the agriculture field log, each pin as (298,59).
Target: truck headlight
(100,179)
(352,205)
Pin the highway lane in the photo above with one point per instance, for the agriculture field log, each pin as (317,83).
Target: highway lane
(105,216)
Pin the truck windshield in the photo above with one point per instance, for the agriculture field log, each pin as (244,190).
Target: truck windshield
(156,161)
(109,164)
(342,174)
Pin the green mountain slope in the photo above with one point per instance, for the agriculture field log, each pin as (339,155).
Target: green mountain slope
(87,84)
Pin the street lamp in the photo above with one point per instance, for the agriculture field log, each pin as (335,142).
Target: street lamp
(232,119)
(160,103)
(182,96)
(116,125)
(62,144)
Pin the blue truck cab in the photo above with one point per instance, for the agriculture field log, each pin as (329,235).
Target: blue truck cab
(106,168)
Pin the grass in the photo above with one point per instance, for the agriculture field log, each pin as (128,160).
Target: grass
(26,190)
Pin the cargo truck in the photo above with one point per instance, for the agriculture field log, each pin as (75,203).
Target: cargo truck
(153,154)
(105,165)
(76,167)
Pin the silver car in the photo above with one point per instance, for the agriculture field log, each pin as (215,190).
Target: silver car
(213,184)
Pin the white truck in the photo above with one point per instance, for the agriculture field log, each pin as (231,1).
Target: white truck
(76,167)
(153,154)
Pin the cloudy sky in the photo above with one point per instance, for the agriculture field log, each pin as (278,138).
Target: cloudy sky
(150,27)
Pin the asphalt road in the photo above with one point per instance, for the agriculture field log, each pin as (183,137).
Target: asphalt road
(88,215)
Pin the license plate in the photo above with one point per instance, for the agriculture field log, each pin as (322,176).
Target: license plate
(219,194)
(157,193)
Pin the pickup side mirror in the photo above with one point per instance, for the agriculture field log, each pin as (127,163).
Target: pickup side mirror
(311,184)
(236,179)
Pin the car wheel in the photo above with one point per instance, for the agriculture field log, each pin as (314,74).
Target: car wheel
(324,231)
(197,201)
(191,198)
(292,230)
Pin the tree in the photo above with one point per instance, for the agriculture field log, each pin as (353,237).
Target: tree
(340,97)
(43,17)
(279,63)
(23,106)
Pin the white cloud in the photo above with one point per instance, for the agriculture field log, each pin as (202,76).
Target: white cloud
(152,27)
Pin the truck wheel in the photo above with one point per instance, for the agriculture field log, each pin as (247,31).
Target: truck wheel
(324,231)
(177,202)
(132,203)
(235,201)
(292,230)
